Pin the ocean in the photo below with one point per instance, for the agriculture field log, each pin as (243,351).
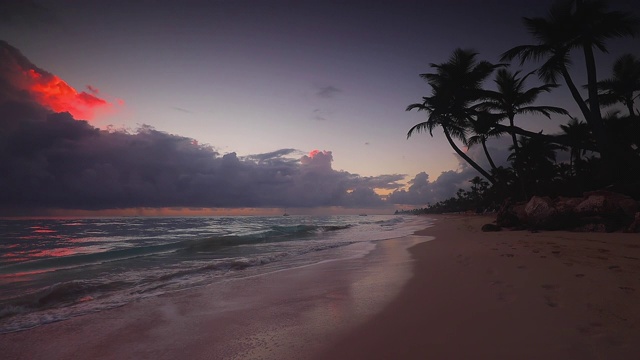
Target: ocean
(54,269)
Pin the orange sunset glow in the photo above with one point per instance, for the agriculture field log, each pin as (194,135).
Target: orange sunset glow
(57,95)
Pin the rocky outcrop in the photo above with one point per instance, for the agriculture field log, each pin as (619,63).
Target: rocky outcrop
(596,211)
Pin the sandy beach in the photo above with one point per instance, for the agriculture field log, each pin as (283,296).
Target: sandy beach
(466,294)
(509,295)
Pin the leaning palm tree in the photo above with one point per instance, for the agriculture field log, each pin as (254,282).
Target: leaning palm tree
(455,87)
(623,85)
(572,24)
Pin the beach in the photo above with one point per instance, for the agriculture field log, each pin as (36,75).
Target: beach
(509,295)
(465,294)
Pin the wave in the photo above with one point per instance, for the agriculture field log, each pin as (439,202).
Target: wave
(211,244)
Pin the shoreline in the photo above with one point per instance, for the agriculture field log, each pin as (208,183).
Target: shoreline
(464,294)
(508,295)
(286,314)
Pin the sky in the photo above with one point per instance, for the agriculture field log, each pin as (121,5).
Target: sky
(241,106)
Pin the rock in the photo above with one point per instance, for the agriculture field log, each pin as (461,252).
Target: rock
(592,205)
(490,228)
(634,227)
(540,213)
(506,217)
(597,211)
(629,207)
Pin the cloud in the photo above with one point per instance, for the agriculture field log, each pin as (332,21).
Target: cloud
(421,191)
(320,114)
(50,160)
(22,80)
(182,110)
(327,92)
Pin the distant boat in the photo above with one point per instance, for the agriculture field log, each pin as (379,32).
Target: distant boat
(363,214)
(285,214)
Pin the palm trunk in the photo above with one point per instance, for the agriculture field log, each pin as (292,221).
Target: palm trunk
(516,147)
(467,158)
(594,102)
(576,95)
(516,151)
(556,139)
(486,153)
(629,102)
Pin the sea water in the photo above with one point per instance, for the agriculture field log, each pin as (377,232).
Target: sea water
(54,269)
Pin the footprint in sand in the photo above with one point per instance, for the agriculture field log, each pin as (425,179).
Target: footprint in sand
(507,255)
(627,289)
(550,300)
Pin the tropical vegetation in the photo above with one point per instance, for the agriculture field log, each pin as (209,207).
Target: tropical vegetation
(603,150)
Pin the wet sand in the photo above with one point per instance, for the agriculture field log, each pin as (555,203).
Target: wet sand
(509,295)
(290,314)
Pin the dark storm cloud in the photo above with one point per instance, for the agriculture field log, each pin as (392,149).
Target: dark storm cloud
(51,160)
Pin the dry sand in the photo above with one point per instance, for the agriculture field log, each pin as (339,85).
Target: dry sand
(473,295)
(509,295)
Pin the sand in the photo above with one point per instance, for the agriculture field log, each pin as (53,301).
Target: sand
(465,295)
(509,295)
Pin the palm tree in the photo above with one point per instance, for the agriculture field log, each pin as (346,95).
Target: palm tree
(575,24)
(483,128)
(623,85)
(535,160)
(579,135)
(455,87)
(512,99)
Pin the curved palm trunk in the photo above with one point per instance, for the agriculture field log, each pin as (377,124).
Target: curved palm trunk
(486,153)
(596,123)
(467,158)
(629,103)
(556,139)
(594,119)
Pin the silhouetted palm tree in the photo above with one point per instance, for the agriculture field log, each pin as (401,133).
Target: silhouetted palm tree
(623,85)
(512,99)
(572,24)
(455,87)
(579,135)
(483,128)
(536,160)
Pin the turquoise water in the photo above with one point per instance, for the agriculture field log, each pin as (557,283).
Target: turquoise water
(53,269)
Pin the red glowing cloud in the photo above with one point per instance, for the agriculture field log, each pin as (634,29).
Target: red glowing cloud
(54,93)
(318,159)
